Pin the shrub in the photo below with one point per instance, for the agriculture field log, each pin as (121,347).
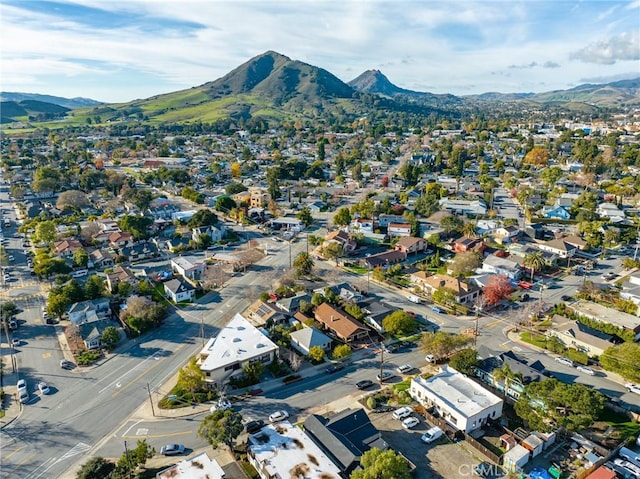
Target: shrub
(87,357)
(371,402)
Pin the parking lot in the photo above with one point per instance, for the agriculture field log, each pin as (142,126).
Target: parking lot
(441,459)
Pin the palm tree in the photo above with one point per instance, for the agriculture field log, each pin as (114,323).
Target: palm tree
(469,230)
(507,375)
(303,263)
(535,262)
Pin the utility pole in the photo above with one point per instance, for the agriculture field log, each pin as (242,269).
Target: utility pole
(290,263)
(202,328)
(126,455)
(153,411)
(381,360)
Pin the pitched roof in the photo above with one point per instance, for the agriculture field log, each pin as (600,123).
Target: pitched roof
(337,320)
(460,288)
(409,241)
(177,286)
(309,337)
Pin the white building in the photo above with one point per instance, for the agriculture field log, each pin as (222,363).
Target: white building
(463,207)
(197,467)
(462,402)
(237,344)
(280,449)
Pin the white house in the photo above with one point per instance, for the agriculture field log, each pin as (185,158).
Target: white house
(611,211)
(399,229)
(89,311)
(237,344)
(306,338)
(459,400)
(216,233)
(506,266)
(463,207)
(179,290)
(188,267)
(278,450)
(197,467)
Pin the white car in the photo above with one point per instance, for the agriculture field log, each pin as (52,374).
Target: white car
(223,405)
(586,370)
(431,435)
(405,368)
(565,361)
(633,388)
(44,389)
(21,385)
(429,358)
(402,413)
(410,422)
(278,416)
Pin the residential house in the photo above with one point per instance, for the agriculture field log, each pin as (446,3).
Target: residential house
(196,467)
(174,244)
(410,245)
(66,247)
(376,311)
(611,212)
(459,400)
(261,313)
(188,267)
(506,371)
(343,238)
(92,332)
(608,315)
(556,212)
(506,234)
(464,292)
(100,259)
(179,290)
(344,291)
(344,437)
(304,339)
(120,274)
(509,266)
(89,311)
(558,247)
(258,198)
(292,304)
(399,229)
(576,335)
(279,450)
(465,244)
(631,288)
(236,345)
(463,207)
(575,241)
(120,239)
(385,220)
(216,233)
(344,326)
(140,251)
(360,225)
(384,259)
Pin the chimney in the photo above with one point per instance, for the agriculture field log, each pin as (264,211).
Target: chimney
(333,318)
(442,283)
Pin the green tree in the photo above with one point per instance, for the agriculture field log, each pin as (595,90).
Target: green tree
(304,215)
(95,287)
(80,257)
(342,217)
(355,311)
(57,304)
(623,359)
(273,183)
(134,458)
(253,371)
(95,468)
(225,204)
(341,351)
(234,188)
(465,361)
(221,427)
(451,224)
(316,354)
(378,464)
(110,337)
(124,289)
(442,345)
(46,231)
(399,323)
(444,295)
(535,262)
(303,263)
(333,251)
(203,217)
(138,226)
(465,263)
(191,377)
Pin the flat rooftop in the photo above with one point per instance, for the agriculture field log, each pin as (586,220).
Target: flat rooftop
(607,315)
(281,448)
(198,467)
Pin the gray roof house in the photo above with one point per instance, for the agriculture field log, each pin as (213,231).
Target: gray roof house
(292,304)
(89,311)
(344,437)
(179,290)
(306,338)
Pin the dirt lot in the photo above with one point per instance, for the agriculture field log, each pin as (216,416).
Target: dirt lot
(440,460)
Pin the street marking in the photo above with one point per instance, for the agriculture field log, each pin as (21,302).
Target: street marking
(75,450)
(157,436)
(493,323)
(27,459)
(6,458)
(142,431)
(46,355)
(135,379)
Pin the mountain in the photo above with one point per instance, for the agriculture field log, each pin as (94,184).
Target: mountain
(70,103)
(375,82)
(615,94)
(30,110)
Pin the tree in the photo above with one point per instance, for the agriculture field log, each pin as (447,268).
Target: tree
(534,261)
(273,183)
(221,427)
(236,170)
(95,468)
(46,231)
(110,337)
(341,351)
(191,377)
(549,404)
(623,359)
(378,464)
(538,156)
(71,199)
(399,323)
(303,264)
(444,295)
(124,289)
(136,225)
(134,458)
(234,188)
(342,217)
(94,287)
(442,345)
(465,263)
(304,215)
(465,361)
(253,371)
(203,217)
(225,204)
(506,375)
(80,257)
(142,313)
(497,288)
(451,224)
(333,251)
(356,311)
(57,305)
(316,354)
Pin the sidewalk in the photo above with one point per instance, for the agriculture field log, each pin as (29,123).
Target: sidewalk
(10,405)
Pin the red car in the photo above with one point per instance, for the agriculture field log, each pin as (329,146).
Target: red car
(524,285)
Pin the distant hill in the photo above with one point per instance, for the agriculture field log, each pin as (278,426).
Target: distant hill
(615,94)
(70,103)
(30,110)
(495,96)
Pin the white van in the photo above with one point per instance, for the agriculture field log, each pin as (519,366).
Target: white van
(414,299)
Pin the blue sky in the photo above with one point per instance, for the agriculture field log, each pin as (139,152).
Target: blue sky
(117,51)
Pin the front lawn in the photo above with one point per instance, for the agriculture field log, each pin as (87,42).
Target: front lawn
(620,422)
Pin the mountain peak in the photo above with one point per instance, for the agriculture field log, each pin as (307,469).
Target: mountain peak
(374,81)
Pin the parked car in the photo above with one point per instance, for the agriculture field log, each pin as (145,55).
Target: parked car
(435,309)
(254,426)
(402,412)
(43,387)
(221,405)
(15,342)
(64,364)
(364,384)
(565,361)
(565,297)
(410,422)
(431,435)
(172,450)
(633,388)
(23,393)
(430,358)
(384,376)
(21,385)
(405,368)
(586,370)
(278,416)
(334,368)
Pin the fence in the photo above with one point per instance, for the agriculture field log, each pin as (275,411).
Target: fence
(485,451)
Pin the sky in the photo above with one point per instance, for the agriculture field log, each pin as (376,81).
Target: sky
(118,51)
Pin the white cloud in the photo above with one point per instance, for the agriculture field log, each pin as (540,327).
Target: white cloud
(623,47)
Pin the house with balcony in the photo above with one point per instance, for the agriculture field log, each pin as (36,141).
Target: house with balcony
(399,229)
(459,400)
(409,245)
(237,344)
